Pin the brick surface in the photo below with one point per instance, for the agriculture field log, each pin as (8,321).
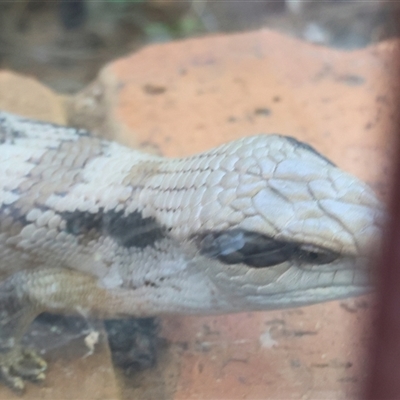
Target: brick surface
(184,97)
(25,96)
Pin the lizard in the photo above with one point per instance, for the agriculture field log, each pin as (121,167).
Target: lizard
(90,227)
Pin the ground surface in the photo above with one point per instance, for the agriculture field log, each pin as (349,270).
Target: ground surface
(179,98)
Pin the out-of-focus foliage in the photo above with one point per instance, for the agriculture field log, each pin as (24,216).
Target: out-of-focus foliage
(188,25)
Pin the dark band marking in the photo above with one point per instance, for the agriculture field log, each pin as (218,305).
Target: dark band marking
(12,220)
(133,230)
(258,251)
(127,230)
(305,146)
(7,134)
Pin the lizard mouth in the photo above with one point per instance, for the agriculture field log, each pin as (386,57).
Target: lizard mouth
(299,287)
(308,297)
(293,284)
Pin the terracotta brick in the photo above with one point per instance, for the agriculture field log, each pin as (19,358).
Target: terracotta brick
(184,97)
(187,96)
(23,95)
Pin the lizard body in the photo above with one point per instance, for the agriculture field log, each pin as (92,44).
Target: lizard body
(91,227)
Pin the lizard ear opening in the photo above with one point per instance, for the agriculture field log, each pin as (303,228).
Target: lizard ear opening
(258,251)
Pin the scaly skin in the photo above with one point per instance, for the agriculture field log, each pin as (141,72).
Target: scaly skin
(88,226)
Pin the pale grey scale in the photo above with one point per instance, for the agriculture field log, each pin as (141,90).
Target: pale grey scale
(197,197)
(171,201)
(233,218)
(179,183)
(174,217)
(231,148)
(226,196)
(190,179)
(211,194)
(214,178)
(258,141)
(228,163)
(359,218)
(247,142)
(244,204)
(305,171)
(206,162)
(230,180)
(304,231)
(186,200)
(267,167)
(321,188)
(203,178)
(369,198)
(249,188)
(292,191)
(215,161)
(13,177)
(83,156)
(207,212)
(185,215)
(192,164)
(278,157)
(343,184)
(165,202)
(245,152)
(246,163)
(178,200)
(306,209)
(266,200)
(168,181)
(259,152)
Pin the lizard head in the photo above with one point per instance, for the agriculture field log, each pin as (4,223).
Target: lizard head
(275,223)
(300,229)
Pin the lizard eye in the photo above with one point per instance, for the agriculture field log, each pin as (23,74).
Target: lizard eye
(259,251)
(315,255)
(243,247)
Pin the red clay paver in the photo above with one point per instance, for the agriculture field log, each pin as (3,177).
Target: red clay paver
(188,96)
(185,97)
(24,95)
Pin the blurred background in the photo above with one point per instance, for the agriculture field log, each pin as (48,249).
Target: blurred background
(64,43)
